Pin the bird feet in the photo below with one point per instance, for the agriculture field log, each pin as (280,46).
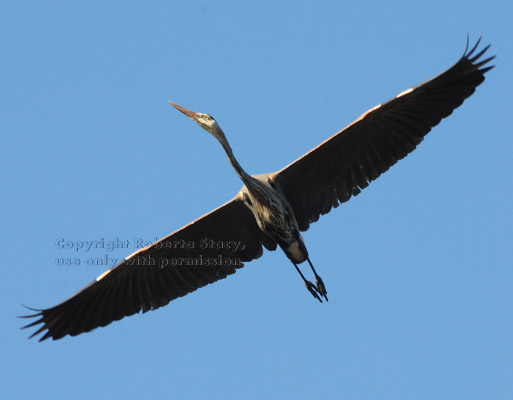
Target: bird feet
(318,290)
(321,289)
(313,289)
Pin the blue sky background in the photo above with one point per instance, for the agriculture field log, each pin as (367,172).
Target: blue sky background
(418,267)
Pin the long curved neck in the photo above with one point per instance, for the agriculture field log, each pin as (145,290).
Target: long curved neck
(247,179)
(235,164)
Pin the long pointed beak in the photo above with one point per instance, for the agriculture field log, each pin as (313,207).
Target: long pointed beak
(189,113)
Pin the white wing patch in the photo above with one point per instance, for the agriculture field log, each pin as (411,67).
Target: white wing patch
(405,92)
(103,275)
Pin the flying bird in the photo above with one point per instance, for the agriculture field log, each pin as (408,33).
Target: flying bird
(270,210)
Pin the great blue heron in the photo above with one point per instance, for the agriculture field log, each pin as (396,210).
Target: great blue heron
(270,210)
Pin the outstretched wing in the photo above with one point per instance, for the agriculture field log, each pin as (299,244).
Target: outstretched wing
(203,252)
(344,164)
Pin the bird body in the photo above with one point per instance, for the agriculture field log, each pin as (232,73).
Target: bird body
(270,210)
(275,216)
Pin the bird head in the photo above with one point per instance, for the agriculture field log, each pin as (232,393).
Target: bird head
(206,121)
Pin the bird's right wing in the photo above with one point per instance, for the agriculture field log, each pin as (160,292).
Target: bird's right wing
(344,164)
(203,252)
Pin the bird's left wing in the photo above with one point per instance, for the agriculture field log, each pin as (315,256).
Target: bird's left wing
(203,252)
(345,163)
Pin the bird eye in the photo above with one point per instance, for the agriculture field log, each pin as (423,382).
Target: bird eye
(207,117)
